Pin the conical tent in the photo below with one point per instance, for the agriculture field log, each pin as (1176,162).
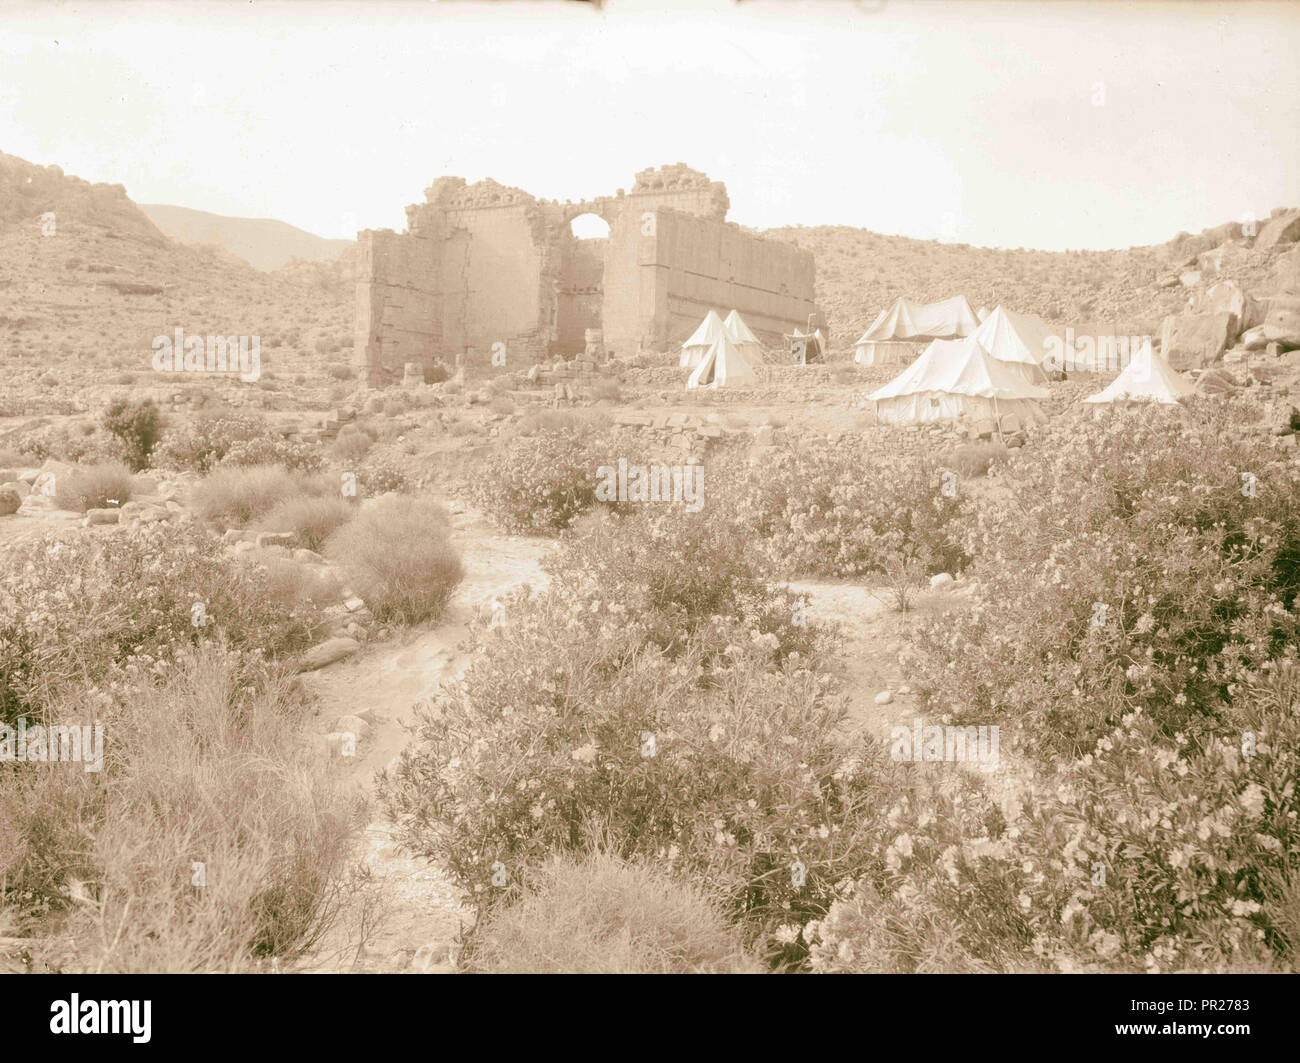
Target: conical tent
(710,331)
(982,313)
(906,323)
(1146,378)
(722,365)
(1017,340)
(743,337)
(955,379)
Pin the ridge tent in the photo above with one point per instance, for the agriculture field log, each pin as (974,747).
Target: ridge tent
(898,330)
(722,366)
(743,336)
(711,330)
(953,379)
(1146,378)
(1019,341)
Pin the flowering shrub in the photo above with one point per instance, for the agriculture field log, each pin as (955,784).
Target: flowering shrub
(840,509)
(273,450)
(539,483)
(1146,854)
(200,444)
(117,607)
(71,442)
(378,476)
(1143,565)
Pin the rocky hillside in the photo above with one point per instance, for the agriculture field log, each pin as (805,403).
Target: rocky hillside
(859,273)
(87,282)
(261,242)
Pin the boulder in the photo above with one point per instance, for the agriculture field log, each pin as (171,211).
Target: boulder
(1282,326)
(1226,297)
(1284,228)
(308,557)
(102,516)
(19,488)
(352,723)
(940,579)
(264,539)
(884,697)
(327,652)
(1253,339)
(1285,277)
(10,500)
(1192,341)
(1190,279)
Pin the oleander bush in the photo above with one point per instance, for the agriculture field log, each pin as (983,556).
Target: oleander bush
(1140,564)
(841,509)
(102,610)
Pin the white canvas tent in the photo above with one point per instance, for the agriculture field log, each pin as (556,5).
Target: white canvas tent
(697,345)
(954,379)
(744,337)
(982,313)
(1146,378)
(722,365)
(898,330)
(1019,341)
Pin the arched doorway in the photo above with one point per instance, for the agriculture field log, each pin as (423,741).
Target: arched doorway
(580,286)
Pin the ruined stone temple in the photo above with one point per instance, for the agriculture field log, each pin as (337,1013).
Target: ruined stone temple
(483,265)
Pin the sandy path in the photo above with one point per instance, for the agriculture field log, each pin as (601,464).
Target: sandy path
(409,913)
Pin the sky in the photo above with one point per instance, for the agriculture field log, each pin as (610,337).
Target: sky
(1053,126)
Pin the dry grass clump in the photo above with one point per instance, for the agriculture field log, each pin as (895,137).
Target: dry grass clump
(95,487)
(312,519)
(234,497)
(599,915)
(205,843)
(399,558)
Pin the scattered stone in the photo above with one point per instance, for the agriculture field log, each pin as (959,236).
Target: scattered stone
(941,579)
(327,652)
(101,516)
(428,957)
(353,604)
(10,500)
(274,539)
(905,689)
(884,697)
(353,723)
(307,557)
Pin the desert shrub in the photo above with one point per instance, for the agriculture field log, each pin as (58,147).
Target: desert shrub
(352,445)
(723,768)
(636,561)
(561,420)
(341,371)
(841,509)
(77,442)
(975,459)
(599,915)
(312,519)
(237,497)
(400,559)
(202,766)
(272,450)
(137,425)
(1140,564)
(95,487)
(502,404)
(537,484)
(200,444)
(436,373)
(377,476)
(100,609)
(1150,854)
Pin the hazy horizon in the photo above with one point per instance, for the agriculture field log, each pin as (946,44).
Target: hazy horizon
(1069,126)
